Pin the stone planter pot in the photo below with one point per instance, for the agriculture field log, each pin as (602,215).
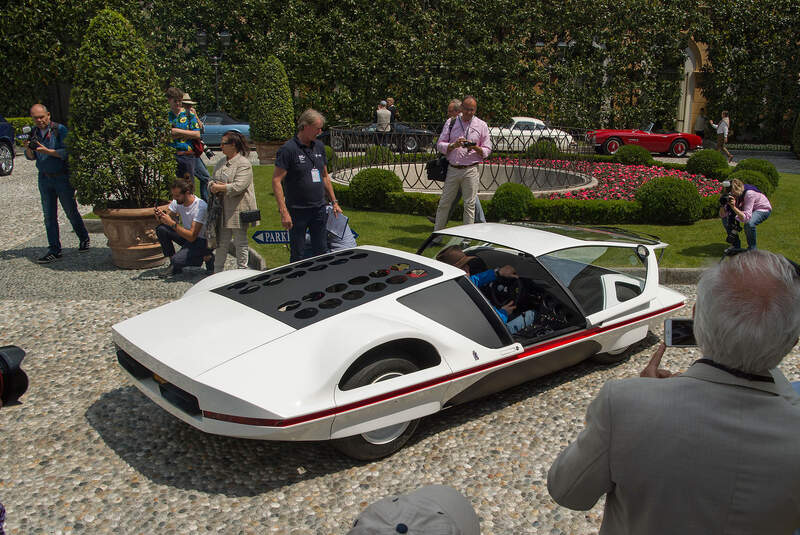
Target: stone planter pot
(131,234)
(267,150)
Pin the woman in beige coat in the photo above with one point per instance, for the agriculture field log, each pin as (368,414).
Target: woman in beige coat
(233,185)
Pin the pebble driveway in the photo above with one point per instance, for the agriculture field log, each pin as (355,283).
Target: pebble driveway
(85,452)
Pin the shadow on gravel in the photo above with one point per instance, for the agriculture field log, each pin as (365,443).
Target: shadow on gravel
(170,452)
(96,259)
(461,414)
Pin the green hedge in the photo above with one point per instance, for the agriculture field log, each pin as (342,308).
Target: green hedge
(370,188)
(763,166)
(706,162)
(270,103)
(510,202)
(669,199)
(755,178)
(633,155)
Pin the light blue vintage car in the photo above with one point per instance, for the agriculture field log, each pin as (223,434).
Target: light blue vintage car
(216,123)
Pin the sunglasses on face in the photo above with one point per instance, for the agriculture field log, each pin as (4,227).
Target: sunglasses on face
(226,142)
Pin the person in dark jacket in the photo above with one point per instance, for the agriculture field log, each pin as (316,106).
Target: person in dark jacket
(46,146)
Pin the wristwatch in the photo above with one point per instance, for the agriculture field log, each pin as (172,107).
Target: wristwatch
(335,201)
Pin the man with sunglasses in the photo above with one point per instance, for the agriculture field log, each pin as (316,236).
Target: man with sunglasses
(715,448)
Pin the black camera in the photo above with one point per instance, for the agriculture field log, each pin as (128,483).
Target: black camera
(28,133)
(208,152)
(724,199)
(468,144)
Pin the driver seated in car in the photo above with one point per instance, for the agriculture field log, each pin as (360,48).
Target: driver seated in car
(454,256)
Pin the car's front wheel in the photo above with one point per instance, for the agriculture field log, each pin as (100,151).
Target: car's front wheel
(679,148)
(6,159)
(338,143)
(387,440)
(410,144)
(612,145)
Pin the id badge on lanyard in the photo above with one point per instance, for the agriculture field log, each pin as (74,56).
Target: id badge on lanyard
(315,177)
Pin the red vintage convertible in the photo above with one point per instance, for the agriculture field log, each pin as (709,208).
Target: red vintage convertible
(673,143)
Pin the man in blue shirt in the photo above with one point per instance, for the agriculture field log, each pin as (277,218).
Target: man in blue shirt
(301,170)
(46,146)
(185,128)
(454,256)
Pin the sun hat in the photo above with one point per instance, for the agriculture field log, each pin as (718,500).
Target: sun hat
(187,99)
(431,510)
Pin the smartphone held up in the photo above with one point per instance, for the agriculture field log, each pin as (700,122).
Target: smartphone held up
(679,332)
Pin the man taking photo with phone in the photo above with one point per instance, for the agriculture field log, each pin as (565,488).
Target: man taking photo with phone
(714,449)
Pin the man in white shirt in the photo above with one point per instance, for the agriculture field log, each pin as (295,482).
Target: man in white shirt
(190,234)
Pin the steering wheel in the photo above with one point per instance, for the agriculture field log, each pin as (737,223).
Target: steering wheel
(505,289)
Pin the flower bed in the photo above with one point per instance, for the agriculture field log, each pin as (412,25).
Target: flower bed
(615,181)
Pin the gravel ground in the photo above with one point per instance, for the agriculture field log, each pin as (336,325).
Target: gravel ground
(85,452)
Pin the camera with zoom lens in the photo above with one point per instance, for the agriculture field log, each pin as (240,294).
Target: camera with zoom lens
(32,141)
(208,152)
(734,227)
(724,199)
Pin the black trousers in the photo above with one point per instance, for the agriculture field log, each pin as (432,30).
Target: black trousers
(191,253)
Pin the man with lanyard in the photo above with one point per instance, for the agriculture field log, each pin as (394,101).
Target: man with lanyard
(301,168)
(465,145)
(50,154)
(184,128)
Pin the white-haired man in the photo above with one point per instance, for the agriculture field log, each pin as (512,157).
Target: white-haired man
(715,449)
(301,182)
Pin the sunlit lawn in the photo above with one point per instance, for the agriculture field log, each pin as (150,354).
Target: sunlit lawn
(694,245)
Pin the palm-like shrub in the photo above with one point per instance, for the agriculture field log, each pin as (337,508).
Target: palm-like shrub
(271,113)
(119,129)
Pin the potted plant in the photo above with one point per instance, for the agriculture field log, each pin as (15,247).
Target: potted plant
(120,162)
(271,113)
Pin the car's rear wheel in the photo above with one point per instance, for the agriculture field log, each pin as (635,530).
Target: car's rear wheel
(6,159)
(387,440)
(612,145)
(679,148)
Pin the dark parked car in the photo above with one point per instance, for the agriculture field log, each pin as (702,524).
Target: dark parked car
(216,123)
(6,147)
(402,137)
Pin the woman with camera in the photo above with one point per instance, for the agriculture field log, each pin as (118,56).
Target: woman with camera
(748,205)
(232,185)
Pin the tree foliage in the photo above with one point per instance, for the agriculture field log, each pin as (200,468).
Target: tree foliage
(620,64)
(119,128)
(270,102)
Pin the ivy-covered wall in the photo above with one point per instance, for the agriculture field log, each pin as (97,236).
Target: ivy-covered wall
(621,64)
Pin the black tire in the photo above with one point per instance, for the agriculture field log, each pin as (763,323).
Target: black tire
(612,145)
(410,144)
(6,159)
(612,357)
(679,148)
(381,442)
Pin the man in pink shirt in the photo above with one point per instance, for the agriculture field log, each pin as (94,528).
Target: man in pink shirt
(466,145)
(749,206)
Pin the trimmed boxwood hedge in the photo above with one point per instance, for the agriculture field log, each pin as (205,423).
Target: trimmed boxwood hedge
(669,199)
(755,178)
(706,162)
(270,106)
(764,166)
(370,188)
(633,155)
(510,202)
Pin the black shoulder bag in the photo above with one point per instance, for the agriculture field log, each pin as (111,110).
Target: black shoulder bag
(437,169)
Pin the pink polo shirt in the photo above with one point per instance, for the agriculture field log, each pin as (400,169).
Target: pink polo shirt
(476,130)
(753,201)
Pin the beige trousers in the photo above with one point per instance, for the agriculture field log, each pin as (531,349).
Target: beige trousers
(239,241)
(465,179)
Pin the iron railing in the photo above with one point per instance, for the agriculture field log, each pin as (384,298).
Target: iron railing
(543,158)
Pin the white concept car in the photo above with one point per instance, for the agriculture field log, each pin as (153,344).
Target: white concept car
(357,346)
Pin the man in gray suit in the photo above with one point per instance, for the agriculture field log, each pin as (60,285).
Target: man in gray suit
(716,449)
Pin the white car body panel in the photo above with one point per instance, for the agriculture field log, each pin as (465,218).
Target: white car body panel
(254,376)
(518,139)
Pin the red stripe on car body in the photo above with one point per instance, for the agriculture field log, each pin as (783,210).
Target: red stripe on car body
(545,346)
